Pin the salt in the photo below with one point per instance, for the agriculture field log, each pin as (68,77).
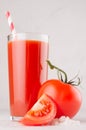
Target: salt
(65,121)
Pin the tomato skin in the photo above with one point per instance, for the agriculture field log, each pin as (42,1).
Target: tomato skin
(67,97)
(42,112)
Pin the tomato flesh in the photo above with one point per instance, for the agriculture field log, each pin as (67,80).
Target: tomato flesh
(42,112)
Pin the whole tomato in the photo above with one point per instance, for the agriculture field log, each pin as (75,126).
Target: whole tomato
(66,96)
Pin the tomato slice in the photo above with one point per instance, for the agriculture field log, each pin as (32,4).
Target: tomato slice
(42,112)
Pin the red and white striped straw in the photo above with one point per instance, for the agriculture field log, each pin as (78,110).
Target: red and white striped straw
(10,22)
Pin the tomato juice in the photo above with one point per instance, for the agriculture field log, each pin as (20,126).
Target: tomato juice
(27,71)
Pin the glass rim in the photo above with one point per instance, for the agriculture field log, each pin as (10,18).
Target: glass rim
(26,34)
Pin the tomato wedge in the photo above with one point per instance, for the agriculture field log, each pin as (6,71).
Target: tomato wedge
(42,112)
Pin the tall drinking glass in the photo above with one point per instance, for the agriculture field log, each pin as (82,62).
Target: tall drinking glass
(27,67)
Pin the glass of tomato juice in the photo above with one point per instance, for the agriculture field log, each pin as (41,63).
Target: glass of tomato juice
(27,70)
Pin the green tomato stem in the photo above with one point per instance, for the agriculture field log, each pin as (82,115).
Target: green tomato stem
(59,72)
(74,81)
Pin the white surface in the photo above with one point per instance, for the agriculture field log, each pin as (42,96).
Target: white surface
(65,22)
(7,124)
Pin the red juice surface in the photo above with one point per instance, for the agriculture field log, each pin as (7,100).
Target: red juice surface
(27,71)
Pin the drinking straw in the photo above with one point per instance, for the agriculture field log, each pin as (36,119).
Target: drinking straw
(10,22)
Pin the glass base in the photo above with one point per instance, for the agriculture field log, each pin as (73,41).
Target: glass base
(15,118)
